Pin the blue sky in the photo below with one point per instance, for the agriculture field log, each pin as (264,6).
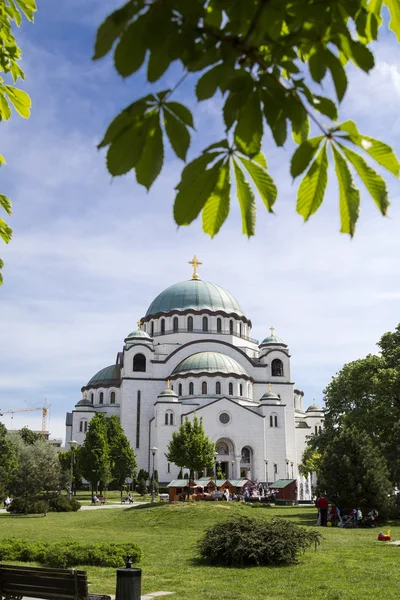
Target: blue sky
(89,254)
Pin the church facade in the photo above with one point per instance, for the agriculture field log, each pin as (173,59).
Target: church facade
(193,354)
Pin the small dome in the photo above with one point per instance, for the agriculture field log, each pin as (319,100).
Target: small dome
(314,408)
(209,362)
(108,376)
(195,294)
(139,333)
(269,396)
(84,402)
(168,394)
(272,340)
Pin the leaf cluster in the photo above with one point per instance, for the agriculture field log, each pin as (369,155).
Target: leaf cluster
(190,447)
(245,542)
(11,12)
(267,61)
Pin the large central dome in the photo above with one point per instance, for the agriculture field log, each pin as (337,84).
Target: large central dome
(195,294)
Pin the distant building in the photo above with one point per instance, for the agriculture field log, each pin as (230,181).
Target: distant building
(193,354)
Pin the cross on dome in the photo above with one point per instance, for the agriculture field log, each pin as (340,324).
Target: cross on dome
(139,325)
(195,263)
(270,387)
(272,330)
(168,384)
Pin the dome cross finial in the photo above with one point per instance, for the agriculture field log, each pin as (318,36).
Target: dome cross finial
(168,384)
(195,263)
(139,325)
(272,330)
(270,387)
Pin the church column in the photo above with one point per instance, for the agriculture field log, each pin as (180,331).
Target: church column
(238,458)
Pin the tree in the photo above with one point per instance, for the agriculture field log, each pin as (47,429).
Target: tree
(122,457)
(264,62)
(354,473)
(190,447)
(10,54)
(310,461)
(8,459)
(95,459)
(38,471)
(65,463)
(365,395)
(141,487)
(30,437)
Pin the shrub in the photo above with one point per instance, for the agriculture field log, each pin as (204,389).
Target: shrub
(68,554)
(244,541)
(63,504)
(141,487)
(34,506)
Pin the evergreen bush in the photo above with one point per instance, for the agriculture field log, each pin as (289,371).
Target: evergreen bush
(63,504)
(244,542)
(68,554)
(37,506)
(141,487)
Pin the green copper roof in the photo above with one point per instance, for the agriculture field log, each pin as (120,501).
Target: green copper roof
(281,483)
(84,402)
(139,333)
(197,295)
(107,376)
(209,362)
(272,339)
(168,393)
(269,396)
(314,408)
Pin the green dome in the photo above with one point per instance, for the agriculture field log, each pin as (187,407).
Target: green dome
(272,339)
(196,295)
(209,362)
(108,376)
(84,402)
(269,396)
(139,333)
(168,393)
(314,408)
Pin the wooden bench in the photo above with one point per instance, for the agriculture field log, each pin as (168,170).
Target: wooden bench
(101,500)
(47,584)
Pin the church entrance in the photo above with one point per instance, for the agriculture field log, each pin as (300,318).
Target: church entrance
(225,459)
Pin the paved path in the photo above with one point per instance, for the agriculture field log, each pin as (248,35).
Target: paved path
(103,506)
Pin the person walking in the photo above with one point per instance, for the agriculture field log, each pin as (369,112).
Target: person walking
(323,506)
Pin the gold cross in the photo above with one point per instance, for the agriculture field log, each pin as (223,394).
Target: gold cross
(139,324)
(84,395)
(270,387)
(168,384)
(272,330)
(195,263)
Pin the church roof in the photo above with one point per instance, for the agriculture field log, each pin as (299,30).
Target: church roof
(194,294)
(272,339)
(139,333)
(108,376)
(209,362)
(314,408)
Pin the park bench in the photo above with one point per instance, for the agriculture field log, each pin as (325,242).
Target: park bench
(45,583)
(124,500)
(163,497)
(101,500)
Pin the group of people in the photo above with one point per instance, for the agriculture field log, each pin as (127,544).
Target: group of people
(325,515)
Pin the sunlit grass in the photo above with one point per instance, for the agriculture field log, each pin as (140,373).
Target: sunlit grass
(350,564)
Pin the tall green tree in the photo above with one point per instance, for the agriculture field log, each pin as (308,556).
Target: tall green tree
(310,461)
(365,395)
(8,459)
(266,64)
(95,456)
(354,473)
(190,447)
(30,437)
(65,463)
(11,13)
(122,457)
(38,471)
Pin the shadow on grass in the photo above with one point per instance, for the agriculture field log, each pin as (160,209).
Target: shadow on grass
(148,506)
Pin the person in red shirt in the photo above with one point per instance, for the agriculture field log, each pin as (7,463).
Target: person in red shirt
(323,509)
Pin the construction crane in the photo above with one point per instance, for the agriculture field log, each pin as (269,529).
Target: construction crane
(44,409)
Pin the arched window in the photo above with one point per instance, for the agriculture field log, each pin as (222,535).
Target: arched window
(83,426)
(171,418)
(112,398)
(175,324)
(277,368)
(162,326)
(101,399)
(92,397)
(219,325)
(245,458)
(190,323)
(240,329)
(139,362)
(205,324)
(275,421)
(152,328)
(316,429)
(180,390)
(218,388)
(191,389)
(319,428)
(231,389)
(240,390)
(204,388)
(166,418)
(231,327)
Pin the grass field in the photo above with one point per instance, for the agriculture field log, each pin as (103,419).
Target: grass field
(349,564)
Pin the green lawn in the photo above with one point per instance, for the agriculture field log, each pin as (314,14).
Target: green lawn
(349,564)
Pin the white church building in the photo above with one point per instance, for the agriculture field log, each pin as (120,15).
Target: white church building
(193,354)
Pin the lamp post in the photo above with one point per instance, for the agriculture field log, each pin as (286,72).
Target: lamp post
(291,464)
(275,470)
(153,452)
(233,464)
(266,472)
(287,468)
(72,444)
